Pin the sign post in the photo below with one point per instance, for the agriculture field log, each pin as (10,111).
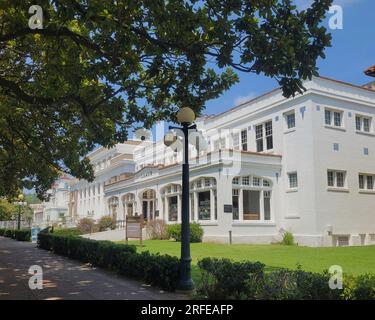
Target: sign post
(34,234)
(133,229)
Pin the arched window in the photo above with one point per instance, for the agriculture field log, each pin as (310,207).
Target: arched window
(203,202)
(128,202)
(148,201)
(171,196)
(251,198)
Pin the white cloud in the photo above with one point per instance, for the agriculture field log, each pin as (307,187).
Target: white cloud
(242,99)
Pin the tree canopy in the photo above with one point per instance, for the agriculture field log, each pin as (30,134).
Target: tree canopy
(98,68)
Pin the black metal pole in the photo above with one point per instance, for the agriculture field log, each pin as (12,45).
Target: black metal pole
(185,282)
(19,218)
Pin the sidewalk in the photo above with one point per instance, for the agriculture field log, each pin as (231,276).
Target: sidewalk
(64,278)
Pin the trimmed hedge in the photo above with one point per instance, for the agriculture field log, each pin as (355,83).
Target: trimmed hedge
(224,279)
(19,235)
(196,232)
(156,270)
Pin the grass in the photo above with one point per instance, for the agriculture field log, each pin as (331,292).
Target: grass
(353,260)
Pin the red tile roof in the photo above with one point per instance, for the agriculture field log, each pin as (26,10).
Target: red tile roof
(370,71)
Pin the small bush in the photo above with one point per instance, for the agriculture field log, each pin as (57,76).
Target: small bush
(9,233)
(157,270)
(196,232)
(365,287)
(86,225)
(157,230)
(224,279)
(106,223)
(2,232)
(22,235)
(288,239)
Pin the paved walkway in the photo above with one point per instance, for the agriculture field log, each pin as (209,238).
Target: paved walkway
(64,278)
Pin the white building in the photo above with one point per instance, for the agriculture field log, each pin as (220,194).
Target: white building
(56,209)
(304,165)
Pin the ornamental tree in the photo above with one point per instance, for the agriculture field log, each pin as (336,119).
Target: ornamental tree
(98,68)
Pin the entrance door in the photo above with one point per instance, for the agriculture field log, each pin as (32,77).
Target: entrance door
(145,209)
(129,209)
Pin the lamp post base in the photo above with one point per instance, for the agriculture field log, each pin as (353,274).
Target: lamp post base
(185,287)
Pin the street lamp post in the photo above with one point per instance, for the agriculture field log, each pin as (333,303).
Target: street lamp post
(20,204)
(186,117)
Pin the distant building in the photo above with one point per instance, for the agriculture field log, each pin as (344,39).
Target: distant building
(56,209)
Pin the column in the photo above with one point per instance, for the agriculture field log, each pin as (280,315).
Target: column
(195,206)
(261,205)
(212,205)
(240,204)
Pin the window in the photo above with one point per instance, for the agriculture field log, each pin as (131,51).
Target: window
(267,205)
(236,141)
(251,205)
(256,181)
(246,181)
(235,180)
(259,137)
(370,183)
(244,140)
(290,119)
(264,131)
(204,205)
(328,117)
(333,118)
(362,123)
(366,182)
(172,208)
(361,181)
(269,136)
(293,180)
(235,204)
(337,119)
(336,178)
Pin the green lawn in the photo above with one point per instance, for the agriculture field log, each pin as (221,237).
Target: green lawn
(353,260)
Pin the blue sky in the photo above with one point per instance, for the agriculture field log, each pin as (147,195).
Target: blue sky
(351,53)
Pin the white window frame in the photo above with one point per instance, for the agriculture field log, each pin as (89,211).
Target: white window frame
(335,175)
(244,137)
(332,118)
(292,186)
(286,119)
(360,119)
(367,186)
(263,136)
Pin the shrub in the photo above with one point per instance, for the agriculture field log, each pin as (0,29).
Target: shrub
(223,279)
(19,235)
(196,232)
(22,235)
(106,223)
(288,239)
(365,287)
(9,233)
(157,270)
(157,230)
(67,232)
(86,225)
